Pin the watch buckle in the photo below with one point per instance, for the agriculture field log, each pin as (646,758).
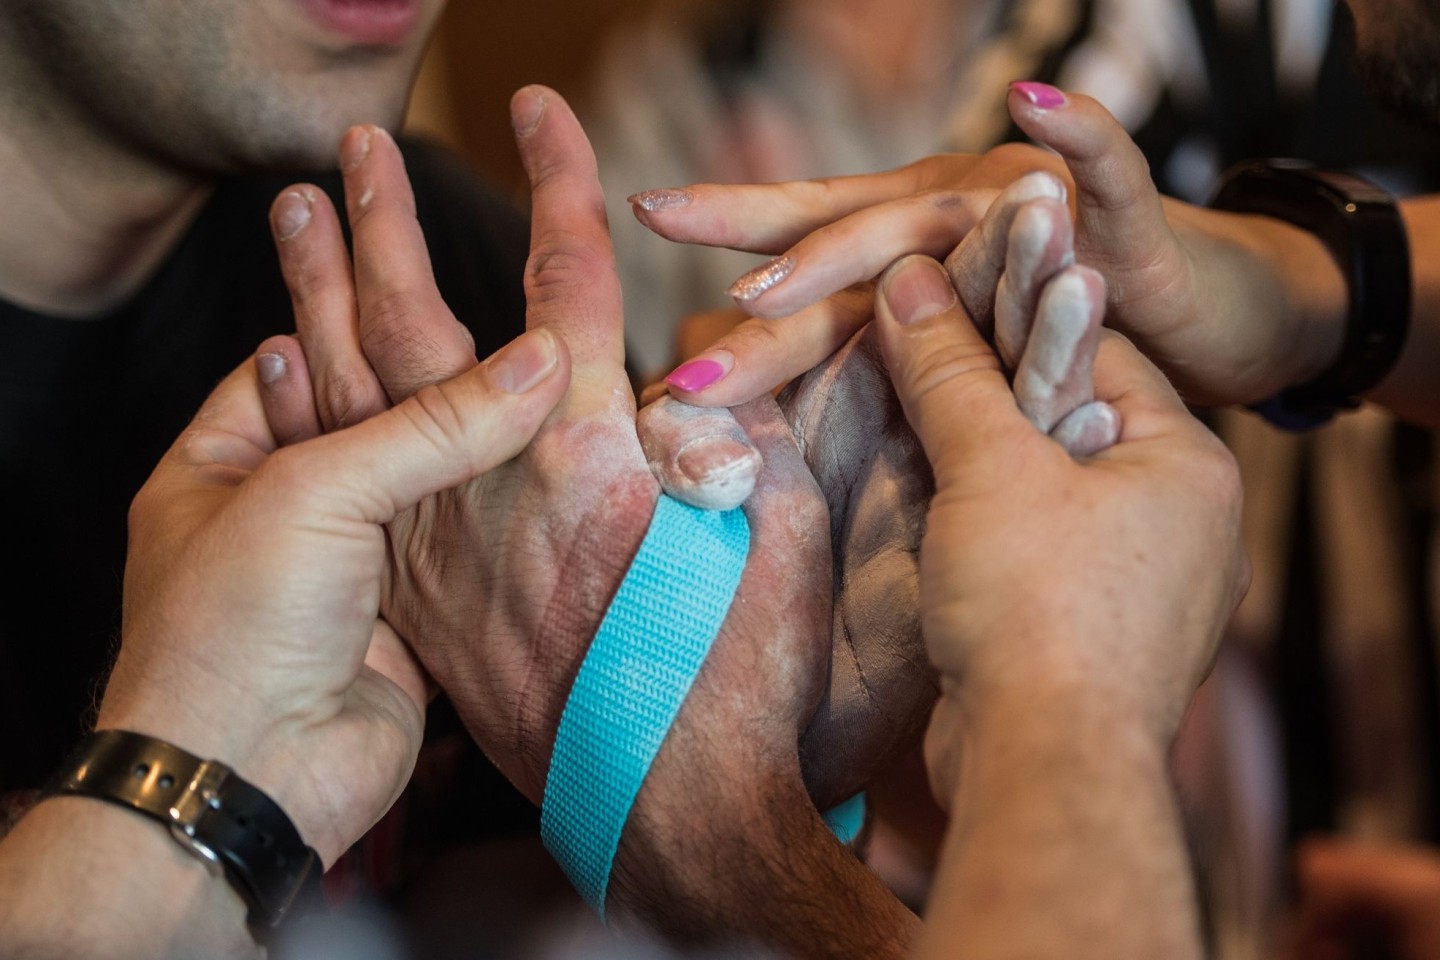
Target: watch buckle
(202,793)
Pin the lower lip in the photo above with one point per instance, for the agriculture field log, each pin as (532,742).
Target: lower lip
(373,22)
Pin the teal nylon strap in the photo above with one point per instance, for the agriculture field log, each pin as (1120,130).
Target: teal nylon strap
(639,669)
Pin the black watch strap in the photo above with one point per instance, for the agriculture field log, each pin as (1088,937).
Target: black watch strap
(231,825)
(1363,230)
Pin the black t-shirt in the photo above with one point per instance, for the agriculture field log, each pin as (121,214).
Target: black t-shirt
(87,408)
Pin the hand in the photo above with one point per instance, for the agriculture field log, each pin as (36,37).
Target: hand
(500,585)
(878,483)
(1071,607)
(1356,895)
(1111,577)
(1233,307)
(254,578)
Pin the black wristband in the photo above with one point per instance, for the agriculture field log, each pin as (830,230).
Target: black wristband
(1361,227)
(228,823)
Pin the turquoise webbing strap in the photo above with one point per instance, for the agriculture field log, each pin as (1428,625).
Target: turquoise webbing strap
(640,667)
(847,819)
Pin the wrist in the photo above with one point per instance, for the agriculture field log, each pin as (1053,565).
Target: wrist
(741,856)
(257,751)
(1047,711)
(82,877)
(1315,306)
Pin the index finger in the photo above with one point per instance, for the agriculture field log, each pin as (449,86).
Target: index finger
(771,217)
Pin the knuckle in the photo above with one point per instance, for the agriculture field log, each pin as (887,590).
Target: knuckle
(347,399)
(565,265)
(758,335)
(439,415)
(953,367)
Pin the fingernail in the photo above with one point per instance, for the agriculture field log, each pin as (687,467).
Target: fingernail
(760,279)
(527,109)
(695,375)
(1041,95)
(916,288)
(354,148)
(270,366)
(709,458)
(653,200)
(524,363)
(291,214)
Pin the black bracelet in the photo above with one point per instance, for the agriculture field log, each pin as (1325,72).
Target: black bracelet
(229,824)
(1363,230)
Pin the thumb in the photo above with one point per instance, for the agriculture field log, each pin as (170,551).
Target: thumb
(1119,218)
(947,377)
(442,436)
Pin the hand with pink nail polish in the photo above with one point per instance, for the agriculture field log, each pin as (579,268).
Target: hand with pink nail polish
(1234,308)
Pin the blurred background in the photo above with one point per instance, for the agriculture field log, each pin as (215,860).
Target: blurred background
(483,52)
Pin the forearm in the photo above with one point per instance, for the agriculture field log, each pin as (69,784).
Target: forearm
(1267,285)
(1064,841)
(80,878)
(1412,389)
(714,855)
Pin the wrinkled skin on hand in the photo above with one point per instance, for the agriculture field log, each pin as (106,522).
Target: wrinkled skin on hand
(877,485)
(1045,314)
(500,585)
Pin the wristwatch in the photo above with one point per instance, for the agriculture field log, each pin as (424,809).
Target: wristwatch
(1363,230)
(230,825)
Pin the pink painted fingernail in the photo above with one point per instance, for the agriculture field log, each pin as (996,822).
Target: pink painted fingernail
(522,364)
(762,278)
(290,215)
(653,200)
(1041,95)
(695,375)
(354,148)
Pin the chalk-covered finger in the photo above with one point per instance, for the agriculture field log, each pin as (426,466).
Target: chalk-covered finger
(1088,429)
(410,336)
(977,263)
(1055,375)
(316,266)
(1041,244)
(700,455)
(571,285)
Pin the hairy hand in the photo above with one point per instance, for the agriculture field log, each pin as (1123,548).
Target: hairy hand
(501,584)
(254,579)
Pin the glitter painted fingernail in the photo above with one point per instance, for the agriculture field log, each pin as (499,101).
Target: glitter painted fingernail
(762,278)
(653,200)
